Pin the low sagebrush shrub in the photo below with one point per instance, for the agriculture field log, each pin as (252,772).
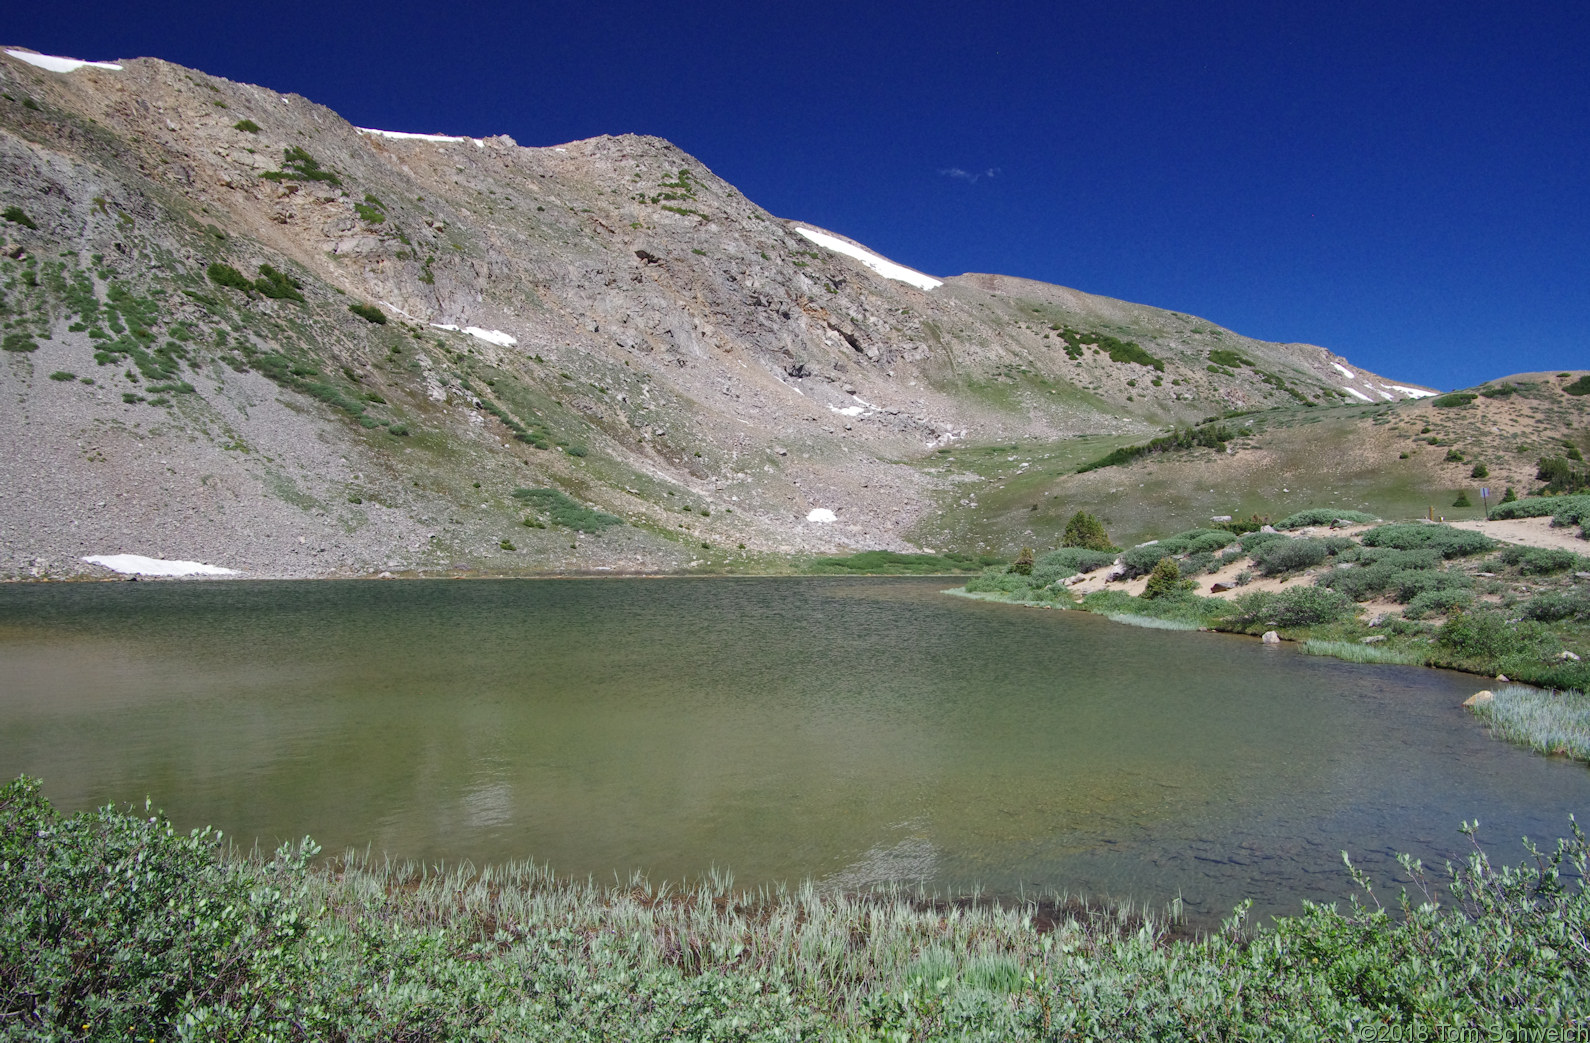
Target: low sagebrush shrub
(1297,607)
(1281,557)
(1324,516)
(369,313)
(1444,539)
(1542,561)
(1559,605)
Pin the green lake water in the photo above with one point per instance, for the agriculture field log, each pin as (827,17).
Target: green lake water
(850,731)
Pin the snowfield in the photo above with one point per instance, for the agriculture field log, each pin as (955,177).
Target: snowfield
(1349,374)
(497,337)
(822,515)
(1356,393)
(884,267)
(57,64)
(402,135)
(138,565)
(1411,392)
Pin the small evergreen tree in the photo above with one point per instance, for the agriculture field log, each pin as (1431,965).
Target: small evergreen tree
(1165,581)
(1022,566)
(1462,499)
(1084,530)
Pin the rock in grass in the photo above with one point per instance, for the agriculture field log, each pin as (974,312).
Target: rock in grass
(1478,699)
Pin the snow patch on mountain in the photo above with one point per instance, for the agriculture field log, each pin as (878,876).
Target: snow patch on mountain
(54,63)
(1356,393)
(138,565)
(884,267)
(497,337)
(402,135)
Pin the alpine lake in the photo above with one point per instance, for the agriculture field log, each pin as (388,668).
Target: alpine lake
(849,731)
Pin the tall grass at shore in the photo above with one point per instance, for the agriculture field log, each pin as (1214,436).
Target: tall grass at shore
(1550,722)
(1150,622)
(1355,652)
(116,926)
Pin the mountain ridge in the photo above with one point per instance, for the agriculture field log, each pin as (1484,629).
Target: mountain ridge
(646,340)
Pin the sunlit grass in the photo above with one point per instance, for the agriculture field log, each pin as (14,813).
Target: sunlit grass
(1355,652)
(1550,722)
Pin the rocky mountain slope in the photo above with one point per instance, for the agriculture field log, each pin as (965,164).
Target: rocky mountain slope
(242,331)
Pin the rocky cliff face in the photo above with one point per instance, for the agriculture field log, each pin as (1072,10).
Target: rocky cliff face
(189,373)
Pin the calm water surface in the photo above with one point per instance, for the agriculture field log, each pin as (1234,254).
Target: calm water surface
(847,730)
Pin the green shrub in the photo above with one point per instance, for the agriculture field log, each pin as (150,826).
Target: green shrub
(226,275)
(1483,636)
(1214,437)
(1437,602)
(566,512)
(62,374)
(1480,471)
(247,126)
(1579,387)
(15,215)
(1557,605)
(1462,499)
(1456,398)
(116,923)
(1165,581)
(369,313)
(19,341)
(1224,357)
(1561,476)
(1324,516)
(1139,561)
(1297,607)
(1444,539)
(1281,557)
(1076,558)
(1254,540)
(1564,510)
(1542,561)
(1085,531)
(298,165)
(278,285)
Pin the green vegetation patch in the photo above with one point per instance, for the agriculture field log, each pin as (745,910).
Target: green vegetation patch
(1543,561)
(1555,723)
(1563,510)
(1296,607)
(298,165)
(19,342)
(1210,437)
(118,926)
(1118,350)
(892,563)
(1324,516)
(1443,539)
(15,215)
(1579,387)
(566,512)
(369,313)
(247,126)
(1226,357)
(1140,561)
(1453,400)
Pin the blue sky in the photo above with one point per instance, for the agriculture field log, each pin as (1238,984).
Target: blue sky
(1405,183)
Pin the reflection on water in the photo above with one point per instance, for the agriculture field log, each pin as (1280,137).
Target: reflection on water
(847,730)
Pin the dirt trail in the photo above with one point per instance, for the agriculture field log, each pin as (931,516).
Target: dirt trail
(1533,532)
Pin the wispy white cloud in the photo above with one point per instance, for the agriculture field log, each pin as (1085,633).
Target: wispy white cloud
(969,176)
